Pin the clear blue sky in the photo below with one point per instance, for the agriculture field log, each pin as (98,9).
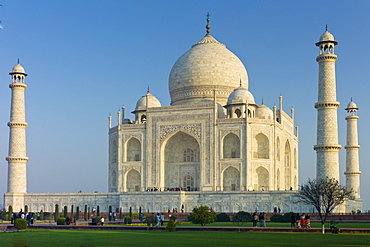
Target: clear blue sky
(87,58)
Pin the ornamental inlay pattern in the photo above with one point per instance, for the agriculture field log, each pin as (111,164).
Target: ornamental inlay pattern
(128,136)
(228,131)
(225,166)
(166,130)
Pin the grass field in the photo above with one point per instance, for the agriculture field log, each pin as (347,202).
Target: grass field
(158,238)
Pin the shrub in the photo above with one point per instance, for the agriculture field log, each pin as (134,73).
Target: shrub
(20,224)
(241,217)
(222,217)
(281,218)
(61,221)
(173,217)
(171,226)
(203,215)
(127,220)
(135,216)
(276,218)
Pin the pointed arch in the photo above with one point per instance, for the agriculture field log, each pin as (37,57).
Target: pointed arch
(231,179)
(287,164)
(262,146)
(114,178)
(181,162)
(295,159)
(114,151)
(133,181)
(231,146)
(133,150)
(278,149)
(263,178)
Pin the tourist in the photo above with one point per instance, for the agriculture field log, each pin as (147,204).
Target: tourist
(158,218)
(262,220)
(102,221)
(292,221)
(298,220)
(303,221)
(308,222)
(255,219)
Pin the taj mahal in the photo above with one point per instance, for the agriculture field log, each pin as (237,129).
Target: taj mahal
(214,144)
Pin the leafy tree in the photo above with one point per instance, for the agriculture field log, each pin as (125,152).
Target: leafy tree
(324,194)
(203,216)
(222,217)
(241,217)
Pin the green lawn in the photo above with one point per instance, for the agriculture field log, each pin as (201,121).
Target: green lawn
(159,238)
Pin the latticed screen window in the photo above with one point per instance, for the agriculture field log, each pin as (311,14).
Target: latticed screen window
(189,181)
(190,155)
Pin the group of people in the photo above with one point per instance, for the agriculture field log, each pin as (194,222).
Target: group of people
(261,218)
(30,217)
(300,221)
(171,189)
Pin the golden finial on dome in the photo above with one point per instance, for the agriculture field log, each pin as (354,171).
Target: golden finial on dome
(208,26)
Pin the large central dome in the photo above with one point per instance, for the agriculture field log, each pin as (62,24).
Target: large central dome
(206,67)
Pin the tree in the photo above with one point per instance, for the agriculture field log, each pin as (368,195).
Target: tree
(10,213)
(77,213)
(56,212)
(65,213)
(324,194)
(72,211)
(203,216)
(241,217)
(85,213)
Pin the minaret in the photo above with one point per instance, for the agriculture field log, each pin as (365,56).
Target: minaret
(352,162)
(327,147)
(17,159)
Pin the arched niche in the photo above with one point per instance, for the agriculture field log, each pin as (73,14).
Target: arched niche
(133,181)
(231,146)
(133,152)
(263,178)
(287,165)
(231,179)
(181,161)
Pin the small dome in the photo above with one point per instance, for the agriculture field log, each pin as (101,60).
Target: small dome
(352,106)
(240,95)
(263,112)
(18,69)
(152,102)
(326,37)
